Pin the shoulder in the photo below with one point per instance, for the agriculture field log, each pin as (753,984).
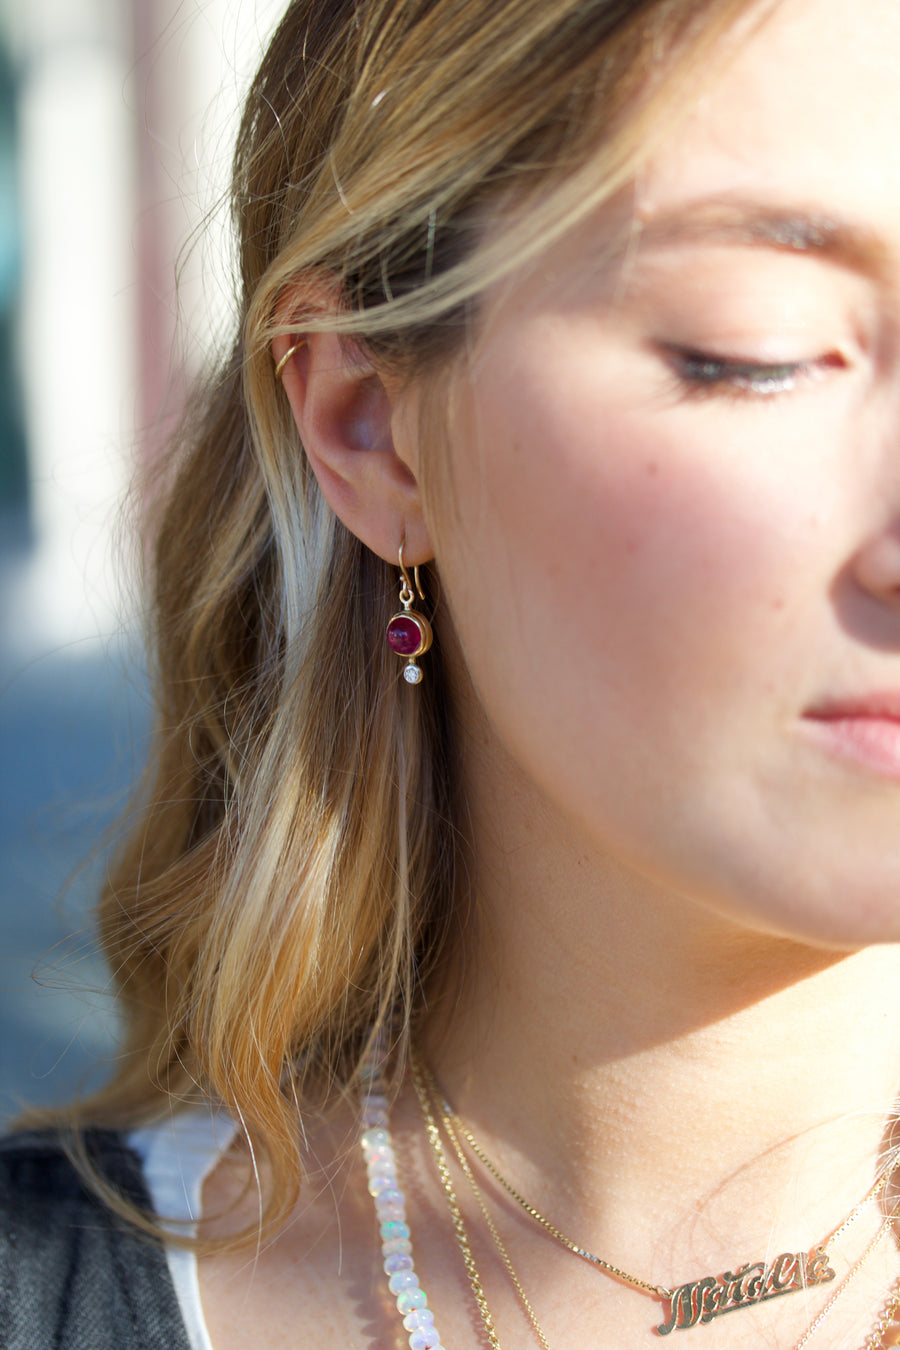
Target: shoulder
(73,1276)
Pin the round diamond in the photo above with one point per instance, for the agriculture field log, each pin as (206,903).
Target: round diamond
(412,674)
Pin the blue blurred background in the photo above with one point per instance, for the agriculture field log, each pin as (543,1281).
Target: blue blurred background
(116,124)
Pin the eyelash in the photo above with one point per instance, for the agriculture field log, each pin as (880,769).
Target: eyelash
(702,374)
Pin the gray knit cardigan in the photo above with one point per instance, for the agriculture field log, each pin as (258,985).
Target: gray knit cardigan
(72,1275)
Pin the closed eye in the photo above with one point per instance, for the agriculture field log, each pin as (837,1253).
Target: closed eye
(703,373)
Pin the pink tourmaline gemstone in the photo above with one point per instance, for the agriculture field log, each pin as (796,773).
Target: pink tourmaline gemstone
(404,635)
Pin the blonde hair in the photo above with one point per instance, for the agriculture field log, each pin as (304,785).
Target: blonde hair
(296,875)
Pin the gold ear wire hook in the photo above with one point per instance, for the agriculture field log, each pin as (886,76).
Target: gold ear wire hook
(403,571)
(405,575)
(406,590)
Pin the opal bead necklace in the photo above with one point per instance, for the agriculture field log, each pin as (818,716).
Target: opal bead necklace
(390,1207)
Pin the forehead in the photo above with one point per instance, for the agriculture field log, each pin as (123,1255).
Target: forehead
(792,143)
(805,111)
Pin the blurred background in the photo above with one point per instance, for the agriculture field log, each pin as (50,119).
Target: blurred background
(117,119)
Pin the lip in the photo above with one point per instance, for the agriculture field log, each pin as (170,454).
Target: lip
(864,730)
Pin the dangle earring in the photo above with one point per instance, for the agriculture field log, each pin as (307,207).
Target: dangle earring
(409,632)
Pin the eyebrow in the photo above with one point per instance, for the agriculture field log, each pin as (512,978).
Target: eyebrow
(789,230)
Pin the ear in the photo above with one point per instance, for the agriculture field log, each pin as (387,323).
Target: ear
(346,419)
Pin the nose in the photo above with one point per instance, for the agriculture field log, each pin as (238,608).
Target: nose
(877,565)
(866,594)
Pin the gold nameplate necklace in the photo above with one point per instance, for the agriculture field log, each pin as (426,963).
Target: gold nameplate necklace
(697,1301)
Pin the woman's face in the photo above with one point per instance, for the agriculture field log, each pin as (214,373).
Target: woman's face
(672,558)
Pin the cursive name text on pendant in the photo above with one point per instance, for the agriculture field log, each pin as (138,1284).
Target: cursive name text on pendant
(713,1296)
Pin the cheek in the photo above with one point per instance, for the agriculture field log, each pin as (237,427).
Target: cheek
(591,492)
(634,558)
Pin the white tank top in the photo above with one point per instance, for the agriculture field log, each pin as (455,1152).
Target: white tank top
(178,1155)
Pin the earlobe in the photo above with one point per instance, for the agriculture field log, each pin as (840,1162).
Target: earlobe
(345,415)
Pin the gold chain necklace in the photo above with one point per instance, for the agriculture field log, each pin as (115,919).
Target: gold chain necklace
(845,1282)
(427,1104)
(698,1301)
(459,1227)
(886,1331)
